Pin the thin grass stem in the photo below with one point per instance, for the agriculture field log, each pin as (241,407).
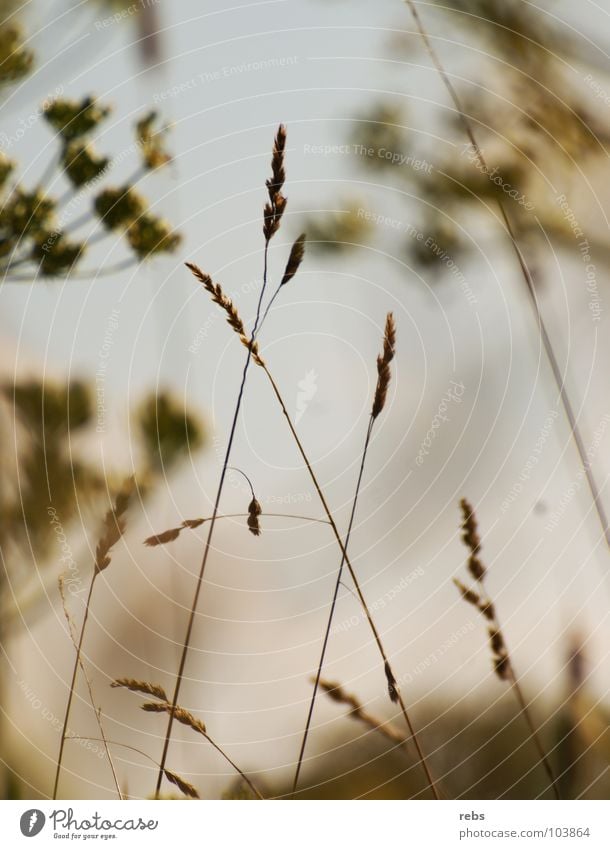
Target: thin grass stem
(546,341)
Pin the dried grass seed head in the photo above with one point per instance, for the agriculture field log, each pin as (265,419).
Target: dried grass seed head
(496,641)
(297,252)
(392,683)
(383,366)
(113,527)
(144,687)
(173,533)
(470,533)
(276,205)
(180,714)
(502,667)
(162,538)
(186,787)
(254,511)
(467,594)
(226,304)
(471,539)
(336,692)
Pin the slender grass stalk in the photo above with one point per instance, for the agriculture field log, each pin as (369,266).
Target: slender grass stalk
(191,620)
(73,685)
(272,217)
(173,533)
(96,710)
(241,773)
(113,528)
(161,705)
(383,380)
(336,693)
(234,320)
(502,662)
(23,605)
(393,689)
(215,745)
(546,341)
(254,508)
(331,614)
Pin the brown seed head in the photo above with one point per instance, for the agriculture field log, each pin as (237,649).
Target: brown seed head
(467,594)
(254,511)
(297,253)
(469,527)
(192,523)
(336,692)
(180,714)
(160,539)
(173,533)
(231,313)
(276,205)
(476,568)
(187,788)
(497,641)
(488,610)
(392,683)
(383,366)
(502,667)
(113,527)
(144,687)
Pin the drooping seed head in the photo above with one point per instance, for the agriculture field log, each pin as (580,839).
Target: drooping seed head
(254,511)
(144,687)
(276,205)
(230,310)
(113,527)
(297,252)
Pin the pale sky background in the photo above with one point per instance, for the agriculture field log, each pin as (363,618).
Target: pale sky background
(266,600)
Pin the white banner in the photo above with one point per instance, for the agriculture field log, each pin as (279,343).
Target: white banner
(293,824)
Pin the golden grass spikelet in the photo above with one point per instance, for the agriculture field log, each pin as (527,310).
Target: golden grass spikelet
(218,296)
(483,605)
(488,610)
(113,527)
(180,714)
(392,683)
(502,667)
(501,660)
(187,788)
(470,533)
(232,315)
(383,366)
(476,568)
(470,536)
(192,523)
(145,687)
(297,252)
(173,533)
(254,511)
(160,539)
(497,641)
(336,692)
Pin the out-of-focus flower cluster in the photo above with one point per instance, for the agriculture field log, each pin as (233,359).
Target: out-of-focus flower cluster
(29,232)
